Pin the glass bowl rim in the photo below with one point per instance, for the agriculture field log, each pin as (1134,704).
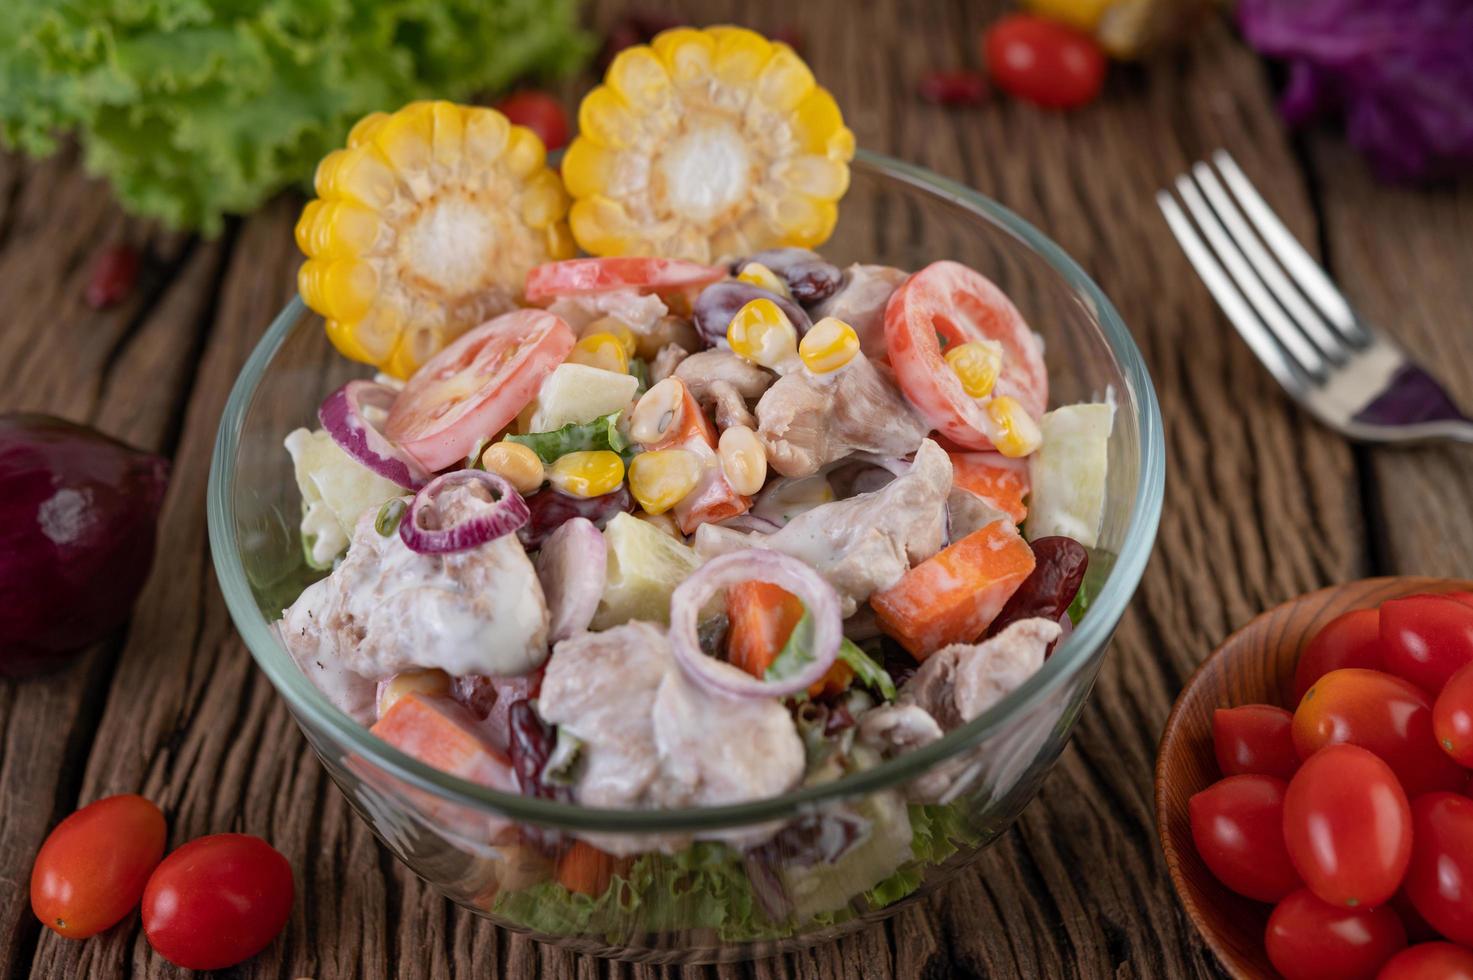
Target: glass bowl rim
(1071,655)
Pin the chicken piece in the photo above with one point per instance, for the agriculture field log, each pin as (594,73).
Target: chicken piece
(863,544)
(897,728)
(640,313)
(315,653)
(666,362)
(386,609)
(957,683)
(806,421)
(700,371)
(601,687)
(860,302)
(966,512)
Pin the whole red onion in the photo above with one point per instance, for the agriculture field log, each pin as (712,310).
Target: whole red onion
(78,516)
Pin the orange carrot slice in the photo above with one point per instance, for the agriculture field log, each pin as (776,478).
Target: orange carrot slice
(713,499)
(585,869)
(1000,481)
(761,618)
(955,594)
(440,733)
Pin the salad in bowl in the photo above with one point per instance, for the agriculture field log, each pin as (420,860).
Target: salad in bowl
(668,536)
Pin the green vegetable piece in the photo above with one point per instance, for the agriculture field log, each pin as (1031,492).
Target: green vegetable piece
(869,673)
(389,515)
(797,653)
(601,433)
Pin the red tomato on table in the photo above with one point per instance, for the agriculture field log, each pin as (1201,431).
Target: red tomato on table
(93,866)
(1452,717)
(1308,939)
(1349,640)
(579,277)
(1385,714)
(1348,827)
(472,389)
(217,901)
(1439,880)
(1429,961)
(1044,62)
(946,304)
(1254,738)
(1427,639)
(1238,827)
(539,112)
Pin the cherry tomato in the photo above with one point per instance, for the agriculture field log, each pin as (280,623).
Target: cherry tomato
(1385,714)
(1044,62)
(1429,961)
(1427,639)
(92,867)
(1350,640)
(1308,939)
(1254,738)
(947,303)
(473,388)
(1419,930)
(1452,717)
(1440,878)
(1238,826)
(217,901)
(1466,598)
(539,112)
(574,277)
(1348,827)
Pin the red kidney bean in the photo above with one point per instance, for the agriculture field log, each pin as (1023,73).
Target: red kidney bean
(955,88)
(810,279)
(113,276)
(1048,592)
(719,302)
(550,507)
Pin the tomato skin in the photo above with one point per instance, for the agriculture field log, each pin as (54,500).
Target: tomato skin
(1348,827)
(1238,827)
(1440,879)
(1427,639)
(1380,712)
(577,277)
(92,867)
(1429,961)
(539,112)
(217,901)
(1349,640)
(1044,62)
(1254,738)
(1308,939)
(1452,717)
(1466,598)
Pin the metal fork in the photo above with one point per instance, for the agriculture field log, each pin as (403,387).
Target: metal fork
(1294,318)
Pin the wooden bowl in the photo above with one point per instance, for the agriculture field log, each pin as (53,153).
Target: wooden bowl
(1254,666)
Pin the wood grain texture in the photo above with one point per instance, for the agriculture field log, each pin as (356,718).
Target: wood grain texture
(1262,505)
(1253,666)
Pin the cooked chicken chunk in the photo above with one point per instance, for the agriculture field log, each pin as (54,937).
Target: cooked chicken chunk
(387,609)
(959,682)
(315,651)
(806,421)
(639,312)
(666,361)
(860,302)
(701,370)
(863,544)
(966,512)
(899,727)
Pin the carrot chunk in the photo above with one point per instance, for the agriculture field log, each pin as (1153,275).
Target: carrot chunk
(761,618)
(1000,481)
(713,499)
(955,594)
(440,733)
(585,869)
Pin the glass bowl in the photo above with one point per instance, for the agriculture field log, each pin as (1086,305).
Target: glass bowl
(854,850)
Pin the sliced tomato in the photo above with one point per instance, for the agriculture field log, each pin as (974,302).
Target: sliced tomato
(946,304)
(472,389)
(574,277)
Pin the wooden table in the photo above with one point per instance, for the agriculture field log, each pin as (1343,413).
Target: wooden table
(1262,504)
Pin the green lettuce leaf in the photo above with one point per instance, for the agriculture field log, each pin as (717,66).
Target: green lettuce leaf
(797,653)
(601,433)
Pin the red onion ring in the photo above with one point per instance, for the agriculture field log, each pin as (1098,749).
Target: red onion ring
(507,512)
(754,564)
(750,522)
(572,566)
(341,414)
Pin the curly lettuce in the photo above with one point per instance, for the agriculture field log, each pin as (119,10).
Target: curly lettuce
(193,109)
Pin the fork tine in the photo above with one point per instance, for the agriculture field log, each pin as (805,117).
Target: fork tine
(1239,313)
(1310,322)
(1300,264)
(1309,360)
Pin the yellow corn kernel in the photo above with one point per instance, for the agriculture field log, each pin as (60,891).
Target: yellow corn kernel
(639,77)
(606,118)
(804,220)
(591,473)
(828,345)
(525,154)
(743,459)
(447,141)
(303,231)
(619,329)
(740,55)
(339,229)
(416,345)
(406,138)
(544,201)
(785,80)
(435,683)
(601,350)
(362,175)
(817,124)
(343,289)
(602,226)
(1017,433)
(762,333)
(661,479)
(686,52)
(658,412)
(762,277)
(364,128)
(521,467)
(485,135)
(977,365)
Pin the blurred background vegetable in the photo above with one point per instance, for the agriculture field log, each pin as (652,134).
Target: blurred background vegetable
(198,108)
(78,515)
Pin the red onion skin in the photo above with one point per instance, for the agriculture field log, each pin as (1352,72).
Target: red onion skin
(345,425)
(505,515)
(80,515)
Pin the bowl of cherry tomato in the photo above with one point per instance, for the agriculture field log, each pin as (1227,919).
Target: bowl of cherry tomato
(1312,787)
